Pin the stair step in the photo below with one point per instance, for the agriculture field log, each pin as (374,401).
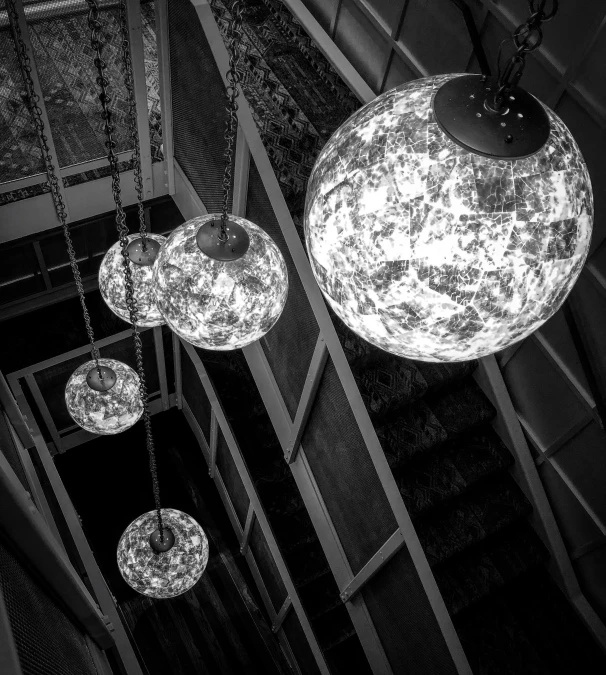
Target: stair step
(333,627)
(457,465)
(425,425)
(320,596)
(499,560)
(462,408)
(528,627)
(308,567)
(388,383)
(467,520)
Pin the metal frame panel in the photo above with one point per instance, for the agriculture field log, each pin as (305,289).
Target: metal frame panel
(508,427)
(40,103)
(27,530)
(166,107)
(9,659)
(255,503)
(133,17)
(279,416)
(161,365)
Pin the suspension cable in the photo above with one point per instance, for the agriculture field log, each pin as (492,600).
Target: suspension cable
(31,100)
(527,37)
(97,44)
(231,124)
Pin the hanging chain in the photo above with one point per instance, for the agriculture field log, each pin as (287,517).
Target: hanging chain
(129,83)
(526,38)
(31,99)
(106,114)
(231,124)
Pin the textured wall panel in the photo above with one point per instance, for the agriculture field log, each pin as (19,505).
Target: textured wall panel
(194,394)
(47,641)
(231,478)
(289,359)
(267,566)
(198,99)
(345,474)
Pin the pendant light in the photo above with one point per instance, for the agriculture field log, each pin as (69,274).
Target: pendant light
(142,248)
(102,394)
(106,404)
(163,574)
(451,216)
(220,281)
(164,552)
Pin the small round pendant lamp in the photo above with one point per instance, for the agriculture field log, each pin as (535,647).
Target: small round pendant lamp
(163,571)
(218,294)
(111,279)
(107,405)
(440,230)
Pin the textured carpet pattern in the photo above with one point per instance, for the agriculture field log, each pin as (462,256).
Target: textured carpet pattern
(432,420)
(61,46)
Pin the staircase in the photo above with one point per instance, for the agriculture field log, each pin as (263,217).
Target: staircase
(452,471)
(433,421)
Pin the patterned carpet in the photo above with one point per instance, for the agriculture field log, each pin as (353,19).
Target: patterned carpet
(61,46)
(433,421)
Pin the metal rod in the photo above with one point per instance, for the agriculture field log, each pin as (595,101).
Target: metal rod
(282,614)
(213,442)
(178,370)
(248,526)
(161,365)
(573,315)
(308,396)
(474,36)
(44,411)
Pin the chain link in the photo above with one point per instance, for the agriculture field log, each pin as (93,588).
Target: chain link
(131,302)
(231,124)
(526,38)
(31,100)
(129,80)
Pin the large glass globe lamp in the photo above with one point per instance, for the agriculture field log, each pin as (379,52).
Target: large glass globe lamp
(441,230)
(151,570)
(141,260)
(104,405)
(220,294)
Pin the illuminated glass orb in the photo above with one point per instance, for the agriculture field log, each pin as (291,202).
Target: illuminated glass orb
(167,574)
(220,304)
(104,412)
(111,284)
(435,253)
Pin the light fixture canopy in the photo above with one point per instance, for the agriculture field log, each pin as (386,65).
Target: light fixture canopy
(436,253)
(107,405)
(163,573)
(111,279)
(220,301)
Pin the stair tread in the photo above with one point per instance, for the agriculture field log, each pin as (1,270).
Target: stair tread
(499,560)
(470,518)
(458,464)
(528,627)
(424,425)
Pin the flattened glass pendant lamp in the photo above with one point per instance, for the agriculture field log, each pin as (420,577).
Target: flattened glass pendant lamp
(104,405)
(142,252)
(164,552)
(451,216)
(220,281)
(163,574)
(216,297)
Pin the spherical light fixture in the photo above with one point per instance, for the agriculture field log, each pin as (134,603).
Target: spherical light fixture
(111,279)
(157,569)
(104,405)
(220,294)
(441,230)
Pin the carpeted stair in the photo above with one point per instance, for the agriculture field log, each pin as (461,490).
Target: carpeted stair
(433,422)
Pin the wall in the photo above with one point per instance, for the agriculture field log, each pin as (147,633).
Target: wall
(393,41)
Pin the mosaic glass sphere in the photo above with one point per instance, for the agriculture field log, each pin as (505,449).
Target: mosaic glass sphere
(435,253)
(104,412)
(111,285)
(166,574)
(216,304)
